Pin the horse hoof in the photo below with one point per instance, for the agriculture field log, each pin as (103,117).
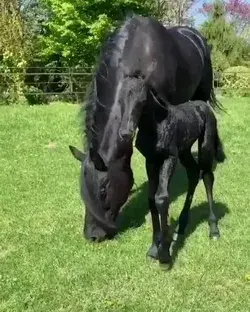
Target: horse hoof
(165,266)
(153,253)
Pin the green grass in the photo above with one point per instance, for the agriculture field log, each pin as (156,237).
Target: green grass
(46,265)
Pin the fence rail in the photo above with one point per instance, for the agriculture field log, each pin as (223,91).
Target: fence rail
(64,83)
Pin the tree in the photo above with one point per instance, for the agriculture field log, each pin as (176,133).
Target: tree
(237,12)
(75,30)
(227,47)
(12,45)
(13,50)
(172,12)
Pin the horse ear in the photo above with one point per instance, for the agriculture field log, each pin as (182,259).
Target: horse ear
(97,160)
(76,153)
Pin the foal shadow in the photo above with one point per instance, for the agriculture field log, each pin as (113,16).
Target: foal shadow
(197,216)
(133,215)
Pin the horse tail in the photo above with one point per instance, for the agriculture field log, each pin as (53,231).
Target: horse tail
(220,155)
(214,102)
(209,74)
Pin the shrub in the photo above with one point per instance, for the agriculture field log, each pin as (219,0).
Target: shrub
(35,95)
(236,81)
(219,61)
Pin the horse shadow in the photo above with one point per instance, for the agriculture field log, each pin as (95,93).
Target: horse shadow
(133,215)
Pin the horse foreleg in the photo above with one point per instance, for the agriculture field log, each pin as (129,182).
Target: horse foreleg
(162,205)
(152,169)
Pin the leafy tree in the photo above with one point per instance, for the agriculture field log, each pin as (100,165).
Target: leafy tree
(13,50)
(12,45)
(77,28)
(172,12)
(237,12)
(227,46)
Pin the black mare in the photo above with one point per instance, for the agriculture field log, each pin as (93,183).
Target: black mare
(141,57)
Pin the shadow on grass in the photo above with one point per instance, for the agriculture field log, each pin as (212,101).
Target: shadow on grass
(197,216)
(133,215)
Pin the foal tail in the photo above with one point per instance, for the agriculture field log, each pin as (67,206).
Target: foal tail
(220,155)
(211,149)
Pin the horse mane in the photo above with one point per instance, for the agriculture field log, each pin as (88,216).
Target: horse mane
(88,110)
(107,51)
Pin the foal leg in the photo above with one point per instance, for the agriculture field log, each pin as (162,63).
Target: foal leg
(208,179)
(206,163)
(162,205)
(193,173)
(152,169)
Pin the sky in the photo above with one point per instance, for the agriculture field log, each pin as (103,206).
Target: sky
(199,18)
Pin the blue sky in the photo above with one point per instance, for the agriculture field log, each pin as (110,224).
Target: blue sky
(199,18)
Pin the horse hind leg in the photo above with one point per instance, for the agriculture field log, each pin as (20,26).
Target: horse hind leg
(206,157)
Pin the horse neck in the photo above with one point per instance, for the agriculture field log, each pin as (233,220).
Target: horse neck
(107,119)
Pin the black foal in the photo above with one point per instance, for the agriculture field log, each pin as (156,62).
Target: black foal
(176,133)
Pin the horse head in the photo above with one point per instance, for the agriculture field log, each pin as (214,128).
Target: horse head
(104,191)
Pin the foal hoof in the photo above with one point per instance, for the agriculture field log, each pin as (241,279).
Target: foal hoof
(153,252)
(165,259)
(214,236)
(165,266)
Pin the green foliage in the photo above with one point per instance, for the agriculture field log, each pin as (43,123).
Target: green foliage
(76,28)
(227,46)
(35,95)
(236,81)
(13,50)
(11,85)
(219,60)
(172,12)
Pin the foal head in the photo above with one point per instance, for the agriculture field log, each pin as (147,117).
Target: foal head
(134,97)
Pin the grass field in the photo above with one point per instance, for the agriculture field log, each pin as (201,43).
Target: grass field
(46,265)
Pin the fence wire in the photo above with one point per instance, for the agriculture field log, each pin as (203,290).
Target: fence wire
(46,84)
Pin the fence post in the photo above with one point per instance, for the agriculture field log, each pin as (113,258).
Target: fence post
(70,83)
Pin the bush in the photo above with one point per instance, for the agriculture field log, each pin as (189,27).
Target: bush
(219,61)
(35,95)
(236,81)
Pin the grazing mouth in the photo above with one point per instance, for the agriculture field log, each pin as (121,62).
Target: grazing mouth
(126,137)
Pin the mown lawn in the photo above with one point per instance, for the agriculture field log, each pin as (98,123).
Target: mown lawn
(46,265)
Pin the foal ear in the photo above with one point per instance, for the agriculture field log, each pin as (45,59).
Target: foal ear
(76,153)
